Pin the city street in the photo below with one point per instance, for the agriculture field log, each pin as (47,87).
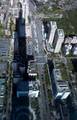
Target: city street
(41,60)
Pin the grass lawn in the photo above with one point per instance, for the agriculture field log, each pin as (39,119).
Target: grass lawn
(68,22)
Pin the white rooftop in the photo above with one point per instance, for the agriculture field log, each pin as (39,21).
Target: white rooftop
(60,33)
(53,24)
(65,95)
(52,31)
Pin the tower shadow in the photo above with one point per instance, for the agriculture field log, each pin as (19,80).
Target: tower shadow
(20,89)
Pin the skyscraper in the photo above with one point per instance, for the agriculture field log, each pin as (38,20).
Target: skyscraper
(53,26)
(58,40)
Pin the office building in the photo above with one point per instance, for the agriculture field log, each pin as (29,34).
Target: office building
(53,29)
(59,79)
(58,40)
(55,38)
(61,88)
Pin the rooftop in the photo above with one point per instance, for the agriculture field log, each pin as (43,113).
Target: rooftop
(71,40)
(60,65)
(60,87)
(53,24)
(2,94)
(32,68)
(60,75)
(60,33)
(3,68)
(30,88)
(4,49)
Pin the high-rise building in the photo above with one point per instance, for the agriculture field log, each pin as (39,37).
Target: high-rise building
(61,88)
(55,38)
(58,40)
(52,32)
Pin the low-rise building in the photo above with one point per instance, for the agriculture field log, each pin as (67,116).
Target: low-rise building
(3,69)
(70,40)
(27,88)
(61,88)
(4,49)
(2,97)
(67,49)
(5,72)
(75,50)
(32,68)
(1,18)
(59,80)
(70,45)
